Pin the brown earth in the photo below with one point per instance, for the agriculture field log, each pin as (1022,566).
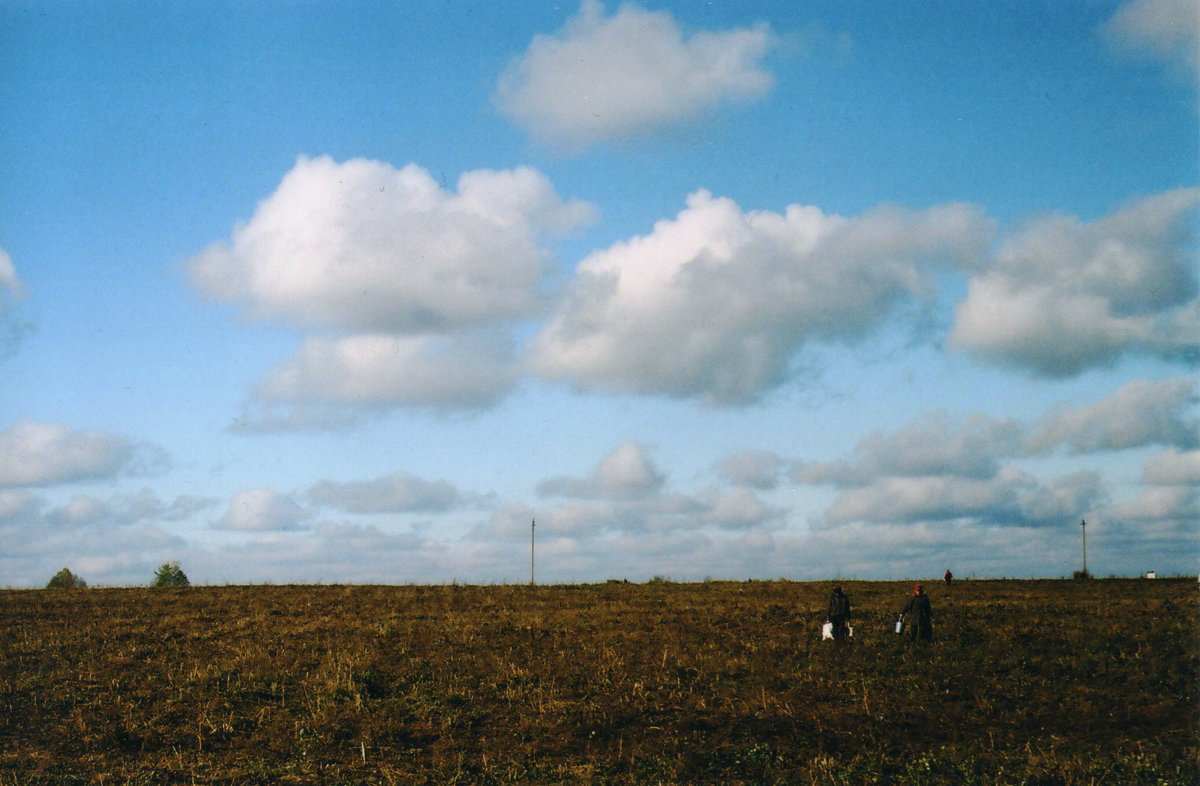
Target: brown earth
(1034,682)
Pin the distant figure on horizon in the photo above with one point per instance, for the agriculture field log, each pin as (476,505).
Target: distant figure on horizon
(839,613)
(920,615)
(949,577)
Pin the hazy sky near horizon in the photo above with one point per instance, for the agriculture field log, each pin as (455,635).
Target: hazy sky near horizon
(353,292)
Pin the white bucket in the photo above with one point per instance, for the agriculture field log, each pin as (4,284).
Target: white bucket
(899,626)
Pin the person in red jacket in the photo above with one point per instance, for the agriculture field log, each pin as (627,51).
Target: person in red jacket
(920,615)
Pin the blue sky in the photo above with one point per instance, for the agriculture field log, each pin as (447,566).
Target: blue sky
(302,292)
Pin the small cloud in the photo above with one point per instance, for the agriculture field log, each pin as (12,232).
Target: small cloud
(1140,413)
(1163,30)
(351,538)
(437,372)
(1161,505)
(1063,499)
(262,510)
(512,520)
(259,416)
(753,468)
(81,511)
(930,498)
(10,285)
(42,454)
(934,445)
(85,510)
(396,493)
(14,504)
(608,78)
(741,509)
(622,474)
(1173,468)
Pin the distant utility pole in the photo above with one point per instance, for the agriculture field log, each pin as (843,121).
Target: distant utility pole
(1083,529)
(532,530)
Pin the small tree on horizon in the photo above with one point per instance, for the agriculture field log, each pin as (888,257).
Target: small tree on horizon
(169,574)
(65,579)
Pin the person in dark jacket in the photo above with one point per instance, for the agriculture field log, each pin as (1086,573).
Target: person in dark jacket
(839,614)
(949,577)
(920,615)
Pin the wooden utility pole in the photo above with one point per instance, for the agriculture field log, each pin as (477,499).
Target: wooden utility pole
(532,530)
(1083,529)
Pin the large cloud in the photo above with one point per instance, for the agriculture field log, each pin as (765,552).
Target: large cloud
(41,454)
(410,288)
(364,247)
(717,302)
(607,78)
(1063,296)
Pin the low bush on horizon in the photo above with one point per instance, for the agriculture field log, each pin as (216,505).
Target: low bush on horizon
(1037,682)
(65,579)
(169,574)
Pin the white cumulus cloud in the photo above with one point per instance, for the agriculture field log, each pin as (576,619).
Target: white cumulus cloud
(1140,413)
(9,283)
(1063,296)
(1165,30)
(363,246)
(939,469)
(1010,497)
(262,510)
(1160,504)
(626,472)
(12,329)
(407,292)
(603,78)
(934,445)
(716,303)
(40,454)
(460,371)
(1173,468)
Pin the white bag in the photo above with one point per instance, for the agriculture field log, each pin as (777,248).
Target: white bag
(827,631)
(899,626)
(849,631)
